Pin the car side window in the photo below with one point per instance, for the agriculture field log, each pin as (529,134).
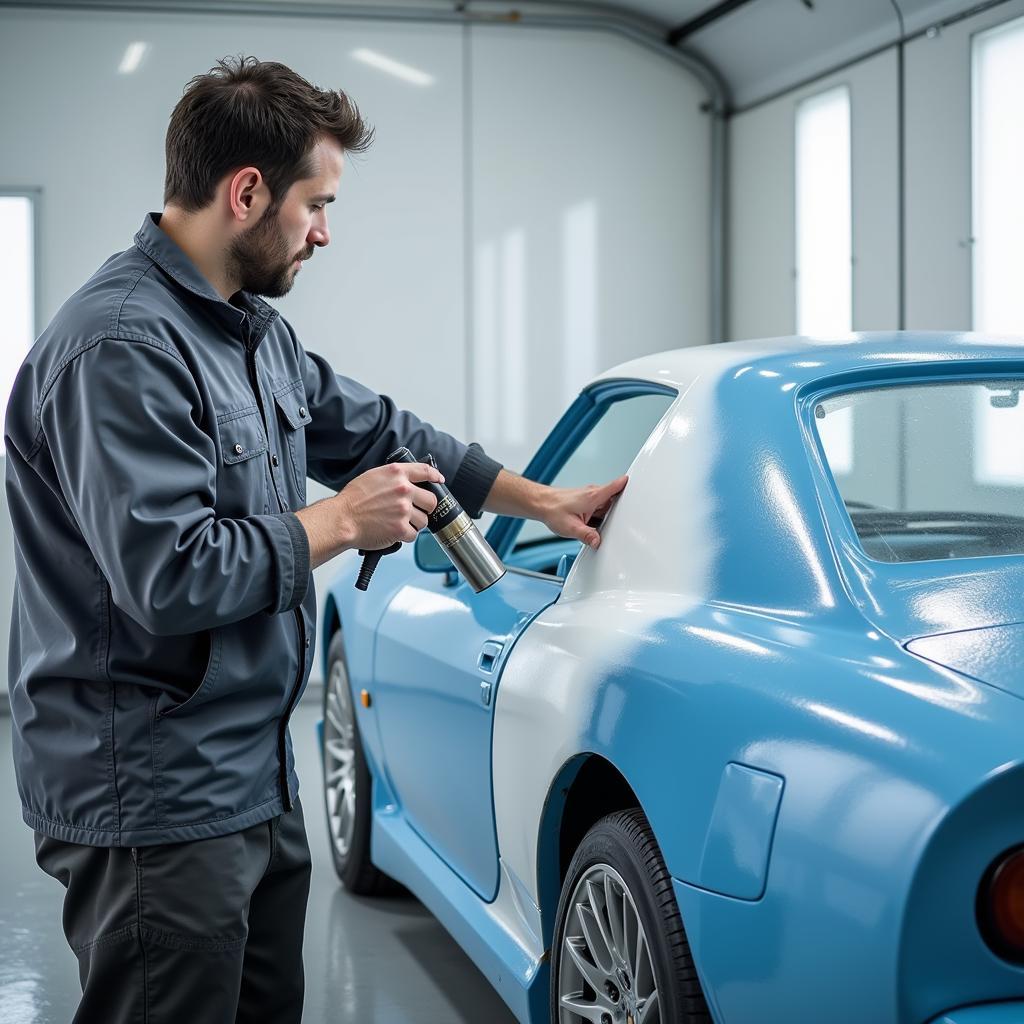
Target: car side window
(602,455)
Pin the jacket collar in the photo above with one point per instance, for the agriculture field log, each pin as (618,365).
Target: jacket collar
(172,260)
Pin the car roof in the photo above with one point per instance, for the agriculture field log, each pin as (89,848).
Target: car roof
(723,502)
(804,358)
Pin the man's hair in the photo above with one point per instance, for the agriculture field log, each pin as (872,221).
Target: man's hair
(249,112)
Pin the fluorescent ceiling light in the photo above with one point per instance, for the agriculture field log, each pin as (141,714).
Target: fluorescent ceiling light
(393,67)
(132,57)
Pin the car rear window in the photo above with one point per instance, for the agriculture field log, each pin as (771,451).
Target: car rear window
(929,471)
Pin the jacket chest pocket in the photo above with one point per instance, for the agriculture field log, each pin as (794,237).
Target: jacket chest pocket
(293,414)
(241,476)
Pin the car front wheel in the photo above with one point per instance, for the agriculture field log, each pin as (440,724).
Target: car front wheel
(347,782)
(621,954)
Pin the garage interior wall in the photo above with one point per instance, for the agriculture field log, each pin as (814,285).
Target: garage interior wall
(938,207)
(485,254)
(761,248)
(937,240)
(937,217)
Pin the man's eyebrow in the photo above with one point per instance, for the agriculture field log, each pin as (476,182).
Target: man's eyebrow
(326,197)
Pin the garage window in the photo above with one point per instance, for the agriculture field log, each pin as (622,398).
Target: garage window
(824,238)
(998,201)
(824,289)
(998,229)
(17,286)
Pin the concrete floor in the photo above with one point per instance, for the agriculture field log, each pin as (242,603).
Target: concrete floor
(382,961)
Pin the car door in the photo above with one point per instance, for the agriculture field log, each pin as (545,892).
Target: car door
(440,648)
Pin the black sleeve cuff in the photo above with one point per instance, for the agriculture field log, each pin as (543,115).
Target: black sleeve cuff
(300,561)
(473,480)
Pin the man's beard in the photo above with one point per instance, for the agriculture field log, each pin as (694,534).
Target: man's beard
(259,259)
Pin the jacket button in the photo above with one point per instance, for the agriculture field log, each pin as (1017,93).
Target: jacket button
(302,411)
(307,641)
(239,449)
(275,460)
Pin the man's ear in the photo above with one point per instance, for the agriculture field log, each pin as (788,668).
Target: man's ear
(248,194)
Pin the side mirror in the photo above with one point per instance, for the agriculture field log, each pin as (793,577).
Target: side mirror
(428,555)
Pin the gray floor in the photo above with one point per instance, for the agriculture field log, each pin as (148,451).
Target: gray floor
(373,961)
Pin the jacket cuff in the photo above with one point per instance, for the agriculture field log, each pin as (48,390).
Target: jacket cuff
(473,480)
(290,546)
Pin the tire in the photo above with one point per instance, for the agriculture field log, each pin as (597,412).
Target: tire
(619,858)
(348,786)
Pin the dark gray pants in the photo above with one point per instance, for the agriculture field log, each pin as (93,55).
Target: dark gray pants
(203,932)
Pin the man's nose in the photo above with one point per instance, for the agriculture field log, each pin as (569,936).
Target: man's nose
(319,235)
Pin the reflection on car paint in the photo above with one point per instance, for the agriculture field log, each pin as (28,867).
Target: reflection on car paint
(821,794)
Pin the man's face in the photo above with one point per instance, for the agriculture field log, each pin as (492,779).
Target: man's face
(265,258)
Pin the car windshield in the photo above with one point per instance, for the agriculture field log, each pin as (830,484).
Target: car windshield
(930,471)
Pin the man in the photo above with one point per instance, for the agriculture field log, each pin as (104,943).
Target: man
(159,436)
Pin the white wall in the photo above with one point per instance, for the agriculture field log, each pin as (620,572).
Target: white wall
(762,248)
(937,234)
(597,125)
(938,191)
(939,172)
(595,166)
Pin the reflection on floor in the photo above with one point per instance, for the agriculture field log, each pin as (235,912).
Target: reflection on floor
(372,961)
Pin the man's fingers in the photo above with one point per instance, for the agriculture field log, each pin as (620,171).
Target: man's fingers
(582,533)
(420,471)
(424,499)
(605,497)
(611,489)
(417,472)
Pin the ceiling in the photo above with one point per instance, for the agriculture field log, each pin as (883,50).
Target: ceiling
(761,47)
(757,47)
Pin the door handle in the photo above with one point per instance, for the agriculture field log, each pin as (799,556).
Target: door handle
(489,654)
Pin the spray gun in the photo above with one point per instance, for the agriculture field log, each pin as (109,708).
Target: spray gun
(454,531)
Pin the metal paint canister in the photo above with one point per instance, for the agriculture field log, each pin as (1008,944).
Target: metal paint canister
(457,534)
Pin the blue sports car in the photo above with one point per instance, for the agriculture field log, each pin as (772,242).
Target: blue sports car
(757,759)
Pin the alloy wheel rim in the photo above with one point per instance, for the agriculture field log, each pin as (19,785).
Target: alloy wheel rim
(340,760)
(605,970)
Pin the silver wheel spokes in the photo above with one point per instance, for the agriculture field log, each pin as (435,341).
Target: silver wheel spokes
(605,973)
(340,760)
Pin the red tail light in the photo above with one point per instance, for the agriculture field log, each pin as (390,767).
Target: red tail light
(1001,905)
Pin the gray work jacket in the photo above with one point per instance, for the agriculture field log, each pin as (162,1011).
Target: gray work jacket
(158,443)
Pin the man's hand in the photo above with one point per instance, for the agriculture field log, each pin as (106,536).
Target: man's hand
(384,505)
(576,511)
(371,512)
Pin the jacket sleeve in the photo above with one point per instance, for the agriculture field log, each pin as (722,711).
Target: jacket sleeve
(139,474)
(353,429)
